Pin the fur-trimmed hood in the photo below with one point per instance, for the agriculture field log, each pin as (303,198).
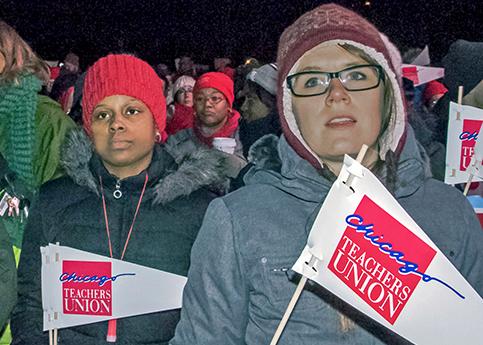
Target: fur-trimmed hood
(201,168)
(276,163)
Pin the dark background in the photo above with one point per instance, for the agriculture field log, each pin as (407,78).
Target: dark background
(159,31)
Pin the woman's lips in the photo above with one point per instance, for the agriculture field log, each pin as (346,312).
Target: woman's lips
(341,122)
(120,144)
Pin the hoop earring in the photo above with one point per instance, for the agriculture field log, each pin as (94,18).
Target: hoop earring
(158,137)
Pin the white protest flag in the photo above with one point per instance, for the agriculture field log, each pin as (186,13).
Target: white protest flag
(464,124)
(367,250)
(420,74)
(423,58)
(80,288)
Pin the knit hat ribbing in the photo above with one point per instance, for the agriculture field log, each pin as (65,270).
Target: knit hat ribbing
(333,24)
(123,75)
(219,81)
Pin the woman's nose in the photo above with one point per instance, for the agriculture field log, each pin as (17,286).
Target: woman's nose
(337,92)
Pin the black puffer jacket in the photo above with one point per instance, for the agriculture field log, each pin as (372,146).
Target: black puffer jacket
(70,211)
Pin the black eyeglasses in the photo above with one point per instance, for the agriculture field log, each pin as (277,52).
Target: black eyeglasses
(354,78)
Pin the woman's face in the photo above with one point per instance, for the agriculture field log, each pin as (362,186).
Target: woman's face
(338,122)
(123,133)
(253,108)
(212,108)
(185,96)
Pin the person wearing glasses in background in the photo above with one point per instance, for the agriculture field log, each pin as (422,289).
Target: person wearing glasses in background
(215,124)
(180,112)
(337,90)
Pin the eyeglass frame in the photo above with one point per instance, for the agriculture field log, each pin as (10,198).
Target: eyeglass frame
(186,89)
(333,75)
(209,99)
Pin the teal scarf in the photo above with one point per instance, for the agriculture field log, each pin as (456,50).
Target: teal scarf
(18,104)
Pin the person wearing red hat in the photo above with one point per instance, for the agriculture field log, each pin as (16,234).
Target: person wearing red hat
(338,88)
(213,100)
(216,122)
(433,91)
(122,190)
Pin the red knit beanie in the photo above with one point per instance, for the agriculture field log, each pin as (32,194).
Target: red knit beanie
(325,23)
(219,81)
(123,75)
(433,88)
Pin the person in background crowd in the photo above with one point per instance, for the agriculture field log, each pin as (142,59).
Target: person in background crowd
(185,66)
(32,128)
(259,109)
(63,88)
(240,78)
(260,125)
(463,66)
(223,65)
(163,72)
(114,164)
(181,112)
(215,120)
(337,90)
(433,91)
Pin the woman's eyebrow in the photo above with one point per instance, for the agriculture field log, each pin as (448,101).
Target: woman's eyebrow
(100,105)
(318,68)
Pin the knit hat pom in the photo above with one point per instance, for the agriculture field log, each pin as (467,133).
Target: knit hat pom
(219,81)
(123,75)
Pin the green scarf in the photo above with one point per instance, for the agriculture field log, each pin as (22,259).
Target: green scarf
(18,104)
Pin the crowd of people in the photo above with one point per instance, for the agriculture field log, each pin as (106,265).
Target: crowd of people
(217,175)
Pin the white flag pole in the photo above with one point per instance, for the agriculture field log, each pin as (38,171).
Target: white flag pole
(468,184)
(460,101)
(291,305)
(303,280)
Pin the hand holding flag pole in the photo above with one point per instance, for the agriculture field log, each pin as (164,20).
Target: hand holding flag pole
(310,263)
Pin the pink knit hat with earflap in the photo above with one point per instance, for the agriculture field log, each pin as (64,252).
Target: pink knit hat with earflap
(123,75)
(325,23)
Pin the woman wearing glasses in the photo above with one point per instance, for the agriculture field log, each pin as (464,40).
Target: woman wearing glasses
(337,90)
(180,112)
(215,124)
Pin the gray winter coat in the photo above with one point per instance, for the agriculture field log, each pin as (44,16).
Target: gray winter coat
(240,282)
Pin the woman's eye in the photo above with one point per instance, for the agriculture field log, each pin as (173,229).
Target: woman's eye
(132,111)
(312,82)
(356,75)
(102,115)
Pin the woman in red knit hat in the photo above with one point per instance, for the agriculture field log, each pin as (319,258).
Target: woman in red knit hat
(215,124)
(124,197)
(338,88)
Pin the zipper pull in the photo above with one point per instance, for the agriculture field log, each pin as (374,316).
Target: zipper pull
(117,192)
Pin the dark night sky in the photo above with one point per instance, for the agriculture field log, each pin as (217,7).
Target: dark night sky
(160,30)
